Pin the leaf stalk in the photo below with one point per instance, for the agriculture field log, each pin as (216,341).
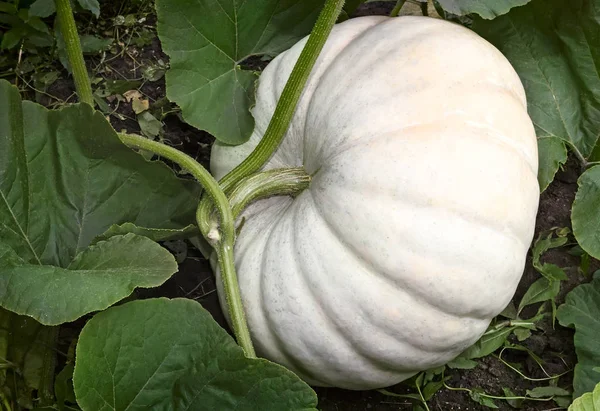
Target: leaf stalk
(223,244)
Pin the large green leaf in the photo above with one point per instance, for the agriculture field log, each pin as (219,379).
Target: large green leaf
(65,178)
(14,183)
(165,354)
(100,276)
(582,309)
(488,9)
(555,47)
(155,234)
(77,181)
(585,214)
(207,41)
(552,154)
(96,182)
(590,401)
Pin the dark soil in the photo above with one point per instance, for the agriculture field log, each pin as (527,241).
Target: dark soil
(195,279)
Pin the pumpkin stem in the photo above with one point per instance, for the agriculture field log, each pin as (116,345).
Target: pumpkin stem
(286,106)
(284,181)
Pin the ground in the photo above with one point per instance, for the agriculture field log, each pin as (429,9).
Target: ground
(554,345)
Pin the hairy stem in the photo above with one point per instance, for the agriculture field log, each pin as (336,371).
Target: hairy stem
(286,106)
(224,237)
(66,23)
(285,181)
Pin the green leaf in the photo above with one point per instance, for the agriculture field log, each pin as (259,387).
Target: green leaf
(515,403)
(488,343)
(66,178)
(562,402)
(149,124)
(37,24)
(92,44)
(552,153)
(522,334)
(541,392)
(63,387)
(91,5)
(26,356)
(431,388)
(109,271)
(155,234)
(582,309)
(96,182)
(544,243)
(42,8)
(478,395)
(590,401)
(553,46)
(207,42)
(8,8)
(113,87)
(171,354)
(12,37)
(541,290)
(488,9)
(595,156)
(585,214)
(14,182)
(462,363)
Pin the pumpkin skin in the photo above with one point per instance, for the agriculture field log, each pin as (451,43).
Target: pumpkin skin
(414,231)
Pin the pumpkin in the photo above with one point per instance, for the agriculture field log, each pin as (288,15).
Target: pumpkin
(414,231)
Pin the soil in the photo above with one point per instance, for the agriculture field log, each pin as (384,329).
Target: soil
(554,345)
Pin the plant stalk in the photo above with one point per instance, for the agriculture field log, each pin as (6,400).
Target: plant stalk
(397,8)
(286,106)
(285,109)
(283,181)
(66,23)
(223,240)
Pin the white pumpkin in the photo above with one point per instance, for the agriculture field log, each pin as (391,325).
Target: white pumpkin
(414,231)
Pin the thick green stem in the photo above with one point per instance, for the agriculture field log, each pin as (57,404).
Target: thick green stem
(286,106)
(66,23)
(285,181)
(397,8)
(221,238)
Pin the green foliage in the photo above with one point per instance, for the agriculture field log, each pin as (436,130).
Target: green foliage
(582,310)
(109,270)
(155,234)
(171,354)
(488,9)
(553,154)
(590,401)
(208,41)
(26,359)
(21,27)
(586,212)
(47,269)
(553,47)
(42,8)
